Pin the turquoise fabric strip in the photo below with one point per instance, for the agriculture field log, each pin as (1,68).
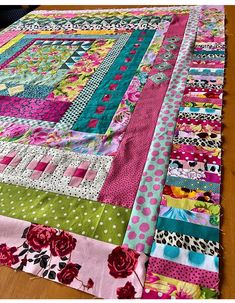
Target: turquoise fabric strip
(193,184)
(185,257)
(203,110)
(209,52)
(195,230)
(207,72)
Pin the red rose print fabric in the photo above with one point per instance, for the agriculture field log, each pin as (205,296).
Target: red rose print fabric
(69,259)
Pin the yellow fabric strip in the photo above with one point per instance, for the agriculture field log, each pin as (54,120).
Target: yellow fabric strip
(184,203)
(10,43)
(178,289)
(80,32)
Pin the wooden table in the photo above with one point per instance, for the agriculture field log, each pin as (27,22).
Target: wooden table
(21,285)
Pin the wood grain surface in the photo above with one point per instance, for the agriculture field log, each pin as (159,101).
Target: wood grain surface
(20,285)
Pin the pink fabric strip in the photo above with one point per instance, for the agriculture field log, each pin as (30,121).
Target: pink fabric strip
(207,64)
(197,150)
(4,38)
(195,157)
(198,89)
(210,177)
(32,108)
(91,255)
(214,124)
(214,39)
(121,185)
(184,273)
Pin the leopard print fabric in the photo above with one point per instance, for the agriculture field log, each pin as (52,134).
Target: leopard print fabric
(198,116)
(197,142)
(187,242)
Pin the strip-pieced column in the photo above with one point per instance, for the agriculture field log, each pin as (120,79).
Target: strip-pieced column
(185,253)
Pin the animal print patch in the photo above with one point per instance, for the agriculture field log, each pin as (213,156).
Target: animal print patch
(188,242)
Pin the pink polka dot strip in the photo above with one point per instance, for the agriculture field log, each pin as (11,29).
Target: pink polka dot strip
(184,273)
(152,181)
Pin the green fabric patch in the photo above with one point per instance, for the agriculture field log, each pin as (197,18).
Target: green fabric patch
(96,220)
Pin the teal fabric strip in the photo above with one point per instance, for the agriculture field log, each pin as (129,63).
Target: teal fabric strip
(209,52)
(110,107)
(221,58)
(185,257)
(207,72)
(75,36)
(23,42)
(194,230)
(193,184)
(203,110)
(39,92)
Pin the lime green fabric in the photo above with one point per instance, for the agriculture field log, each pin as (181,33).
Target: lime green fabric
(96,220)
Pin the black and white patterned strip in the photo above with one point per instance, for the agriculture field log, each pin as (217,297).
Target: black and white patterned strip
(187,242)
(183,115)
(197,142)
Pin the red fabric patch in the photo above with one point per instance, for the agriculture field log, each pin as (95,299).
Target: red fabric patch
(80,172)
(128,59)
(41,166)
(93,123)
(118,77)
(132,52)
(113,86)
(6,160)
(100,109)
(106,97)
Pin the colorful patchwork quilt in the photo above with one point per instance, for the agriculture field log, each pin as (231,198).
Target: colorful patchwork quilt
(110,149)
